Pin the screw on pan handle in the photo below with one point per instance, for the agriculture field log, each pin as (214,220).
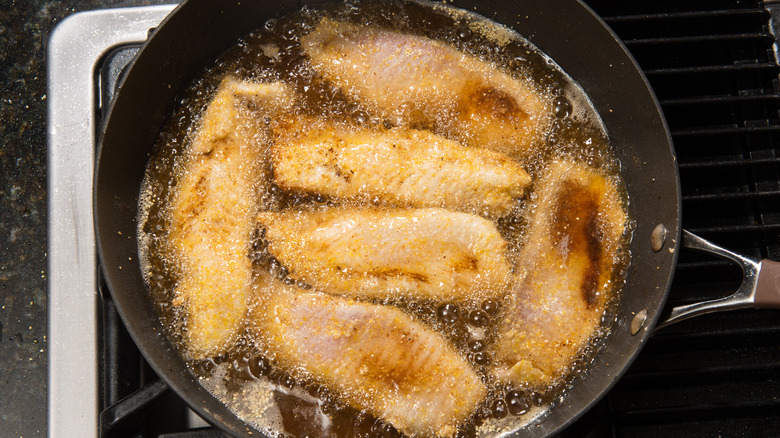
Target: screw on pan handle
(760,286)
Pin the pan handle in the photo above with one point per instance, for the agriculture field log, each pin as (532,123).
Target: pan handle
(760,286)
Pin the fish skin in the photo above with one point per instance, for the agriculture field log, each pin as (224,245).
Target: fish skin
(373,357)
(398,167)
(377,253)
(577,228)
(212,212)
(411,79)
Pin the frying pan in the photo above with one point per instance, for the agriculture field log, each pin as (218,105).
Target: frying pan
(197,31)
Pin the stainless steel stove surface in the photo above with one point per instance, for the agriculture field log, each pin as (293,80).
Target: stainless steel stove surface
(75,51)
(712,65)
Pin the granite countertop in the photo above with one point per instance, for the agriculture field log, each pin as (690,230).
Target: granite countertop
(24,29)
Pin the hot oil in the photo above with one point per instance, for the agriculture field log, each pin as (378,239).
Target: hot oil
(246,378)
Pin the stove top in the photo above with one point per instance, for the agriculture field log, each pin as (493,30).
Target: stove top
(715,73)
(74,55)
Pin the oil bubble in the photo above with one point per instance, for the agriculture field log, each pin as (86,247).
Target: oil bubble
(259,366)
(478,318)
(465,34)
(287,381)
(498,409)
(481,358)
(447,313)
(562,107)
(490,307)
(517,402)
(476,345)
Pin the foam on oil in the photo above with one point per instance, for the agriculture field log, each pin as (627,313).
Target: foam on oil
(273,400)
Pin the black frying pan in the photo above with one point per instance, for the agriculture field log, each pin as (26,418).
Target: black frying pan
(569,32)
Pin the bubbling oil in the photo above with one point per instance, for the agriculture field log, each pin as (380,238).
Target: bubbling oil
(245,377)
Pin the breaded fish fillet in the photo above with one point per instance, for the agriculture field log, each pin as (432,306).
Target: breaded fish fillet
(213,209)
(399,167)
(374,357)
(573,244)
(379,253)
(397,75)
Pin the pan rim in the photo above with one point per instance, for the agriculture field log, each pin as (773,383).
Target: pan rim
(102,232)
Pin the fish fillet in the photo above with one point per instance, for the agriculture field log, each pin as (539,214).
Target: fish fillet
(399,76)
(576,231)
(212,212)
(400,167)
(383,253)
(374,357)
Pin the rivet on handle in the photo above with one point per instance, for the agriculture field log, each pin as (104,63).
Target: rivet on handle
(658,237)
(639,321)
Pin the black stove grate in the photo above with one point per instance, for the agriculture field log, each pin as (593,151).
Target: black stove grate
(713,68)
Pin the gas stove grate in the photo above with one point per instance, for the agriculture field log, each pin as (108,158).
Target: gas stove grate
(716,76)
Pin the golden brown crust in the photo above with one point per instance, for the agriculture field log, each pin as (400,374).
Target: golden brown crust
(212,213)
(398,167)
(377,253)
(375,357)
(576,229)
(398,75)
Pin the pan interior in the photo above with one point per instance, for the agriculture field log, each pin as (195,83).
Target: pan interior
(635,152)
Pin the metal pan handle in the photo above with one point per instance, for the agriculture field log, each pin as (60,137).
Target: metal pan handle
(760,286)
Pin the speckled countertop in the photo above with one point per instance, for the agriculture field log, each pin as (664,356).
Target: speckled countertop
(24,29)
